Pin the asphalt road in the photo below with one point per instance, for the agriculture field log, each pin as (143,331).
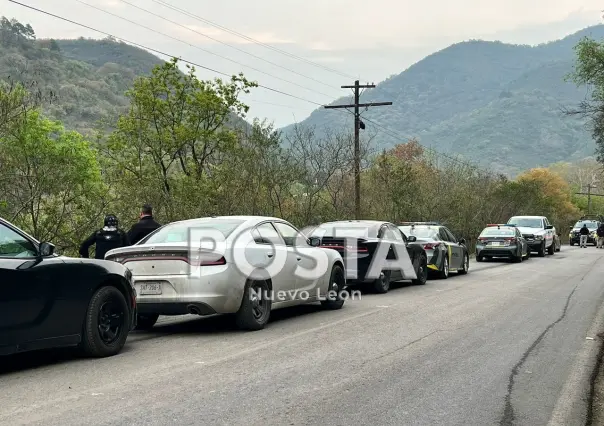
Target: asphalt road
(497,346)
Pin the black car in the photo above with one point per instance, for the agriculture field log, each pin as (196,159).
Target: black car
(502,240)
(445,252)
(575,234)
(49,301)
(367,236)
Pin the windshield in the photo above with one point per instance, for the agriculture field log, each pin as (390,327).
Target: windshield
(590,224)
(179,232)
(526,222)
(420,232)
(501,232)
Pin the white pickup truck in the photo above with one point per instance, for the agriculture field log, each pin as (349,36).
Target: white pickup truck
(540,235)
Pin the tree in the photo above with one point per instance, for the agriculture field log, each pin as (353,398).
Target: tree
(589,71)
(50,181)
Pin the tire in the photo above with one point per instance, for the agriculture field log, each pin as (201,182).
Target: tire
(444,272)
(146,322)
(528,253)
(551,249)
(382,284)
(518,259)
(479,259)
(541,252)
(337,281)
(422,272)
(466,266)
(254,312)
(107,323)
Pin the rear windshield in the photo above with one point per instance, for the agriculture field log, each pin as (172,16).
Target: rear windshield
(179,232)
(344,230)
(589,223)
(420,232)
(501,232)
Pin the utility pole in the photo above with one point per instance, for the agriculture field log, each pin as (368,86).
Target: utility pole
(358,124)
(590,186)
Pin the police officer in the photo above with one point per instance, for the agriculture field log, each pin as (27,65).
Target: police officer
(144,226)
(105,239)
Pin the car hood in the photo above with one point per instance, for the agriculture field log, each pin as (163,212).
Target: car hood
(531,231)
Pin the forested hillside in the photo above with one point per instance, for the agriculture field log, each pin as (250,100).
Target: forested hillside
(494,103)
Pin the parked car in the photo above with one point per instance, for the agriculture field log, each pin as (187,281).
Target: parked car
(50,301)
(202,266)
(575,236)
(502,240)
(538,232)
(445,252)
(369,234)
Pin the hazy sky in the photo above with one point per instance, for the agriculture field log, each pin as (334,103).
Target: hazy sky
(370,41)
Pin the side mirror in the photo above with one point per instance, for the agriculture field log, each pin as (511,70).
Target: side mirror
(549,227)
(314,241)
(46,249)
(462,241)
(411,238)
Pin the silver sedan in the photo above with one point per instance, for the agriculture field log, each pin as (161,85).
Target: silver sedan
(242,265)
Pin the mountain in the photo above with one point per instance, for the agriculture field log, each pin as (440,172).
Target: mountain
(87,77)
(493,103)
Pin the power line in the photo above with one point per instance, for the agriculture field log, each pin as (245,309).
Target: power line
(198,47)
(243,36)
(157,51)
(225,44)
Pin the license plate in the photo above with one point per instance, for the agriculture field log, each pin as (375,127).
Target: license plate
(496,243)
(150,288)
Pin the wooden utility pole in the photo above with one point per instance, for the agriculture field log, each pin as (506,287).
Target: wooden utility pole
(357,145)
(590,186)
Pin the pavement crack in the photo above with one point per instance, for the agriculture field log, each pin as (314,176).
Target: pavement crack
(406,345)
(508,413)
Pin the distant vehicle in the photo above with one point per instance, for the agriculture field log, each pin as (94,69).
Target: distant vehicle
(50,301)
(502,240)
(176,273)
(445,252)
(333,235)
(574,236)
(539,233)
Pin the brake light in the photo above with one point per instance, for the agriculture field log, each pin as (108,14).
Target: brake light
(431,246)
(206,262)
(206,259)
(483,239)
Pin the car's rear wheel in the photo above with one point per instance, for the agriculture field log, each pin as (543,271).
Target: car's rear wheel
(382,284)
(422,271)
(146,321)
(337,282)
(255,309)
(552,248)
(107,323)
(444,272)
(479,258)
(466,265)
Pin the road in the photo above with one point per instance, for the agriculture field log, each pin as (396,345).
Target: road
(497,346)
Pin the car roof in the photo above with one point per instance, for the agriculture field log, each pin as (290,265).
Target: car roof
(243,219)
(531,217)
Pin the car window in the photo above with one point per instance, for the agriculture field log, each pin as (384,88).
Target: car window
(13,244)
(269,234)
(396,233)
(387,233)
(291,235)
(443,234)
(450,235)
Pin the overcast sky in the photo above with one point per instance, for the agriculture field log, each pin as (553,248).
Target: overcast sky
(370,41)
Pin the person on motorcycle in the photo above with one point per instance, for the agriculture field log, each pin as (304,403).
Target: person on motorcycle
(600,233)
(584,234)
(105,239)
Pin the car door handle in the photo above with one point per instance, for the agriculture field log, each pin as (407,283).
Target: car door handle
(270,254)
(298,258)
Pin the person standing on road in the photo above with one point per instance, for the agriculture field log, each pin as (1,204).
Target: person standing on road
(584,234)
(144,226)
(105,239)
(600,233)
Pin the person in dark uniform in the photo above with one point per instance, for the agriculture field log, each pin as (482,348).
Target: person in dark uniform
(105,239)
(144,226)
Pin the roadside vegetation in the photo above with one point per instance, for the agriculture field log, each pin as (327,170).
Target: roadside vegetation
(180,145)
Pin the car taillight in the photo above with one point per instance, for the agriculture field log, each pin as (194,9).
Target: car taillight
(431,246)
(206,262)
(508,241)
(483,240)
